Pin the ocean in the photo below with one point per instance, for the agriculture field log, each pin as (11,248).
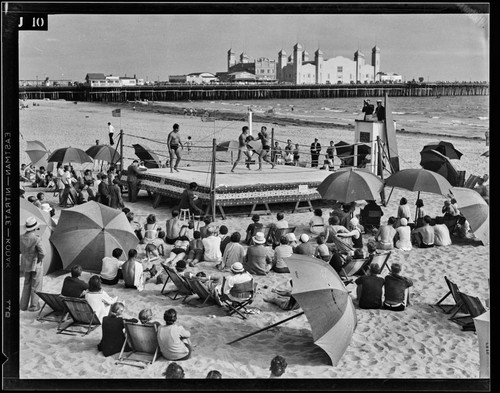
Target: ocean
(462,116)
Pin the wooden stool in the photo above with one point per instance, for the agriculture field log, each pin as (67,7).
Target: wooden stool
(184,215)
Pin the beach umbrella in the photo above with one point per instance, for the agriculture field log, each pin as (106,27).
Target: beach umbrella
(227,146)
(149,157)
(445,148)
(419,180)
(475,209)
(89,232)
(351,184)
(326,303)
(103,153)
(38,153)
(434,161)
(482,324)
(70,155)
(52,260)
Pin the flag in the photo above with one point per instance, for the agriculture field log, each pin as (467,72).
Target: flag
(116,113)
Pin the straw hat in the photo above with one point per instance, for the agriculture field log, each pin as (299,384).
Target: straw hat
(237,267)
(304,238)
(259,238)
(31,224)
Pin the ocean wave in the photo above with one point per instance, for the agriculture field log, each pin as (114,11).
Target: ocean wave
(435,117)
(399,113)
(324,108)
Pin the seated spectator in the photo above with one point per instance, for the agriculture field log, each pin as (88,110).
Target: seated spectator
(155,247)
(385,235)
(370,216)
(33,199)
(22,177)
(214,374)
(322,251)
(304,247)
(369,288)
(151,229)
(188,230)
(196,249)
(334,228)
(234,252)
(136,227)
(224,238)
(441,233)
(281,223)
(420,213)
(174,371)
(283,251)
(173,228)
(463,227)
(239,276)
(73,286)
(211,245)
(284,299)
(180,250)
(113,335)
(133,272)
(204,229)
(404,212)
(292,240)
(253,228)
(259,257)
(278,366)
(98,299)
(454,205)
(145,317)
(111,268)
(317,223)
(483,189)
(448,209)
(41,197)
(355,233)
(424,236)
(173,339)
(337,261)
(396,289)
(403,236)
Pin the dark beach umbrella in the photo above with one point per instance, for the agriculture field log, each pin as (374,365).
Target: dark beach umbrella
(445,148)
(87,233)
(70,155)
(326,303)
(437,162)
(351,184)
(52,260)
(103,153)
(149,157)
(344,152)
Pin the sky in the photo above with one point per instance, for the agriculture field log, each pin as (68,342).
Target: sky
(433,46)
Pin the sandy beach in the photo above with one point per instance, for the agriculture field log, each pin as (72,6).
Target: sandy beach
(418,343)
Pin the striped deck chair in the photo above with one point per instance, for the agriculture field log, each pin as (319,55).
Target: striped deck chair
(201,290)
(343,247)
(83,316)
(471,181)
(144,343)
(183,288)
(59,311)
(473,308)
(455,293)
(350,269)
(381,259)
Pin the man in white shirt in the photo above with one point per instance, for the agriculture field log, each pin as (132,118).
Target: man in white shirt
(111,131)
(281,223)
(441,233)
(110,272)
(239,276)
(212,246)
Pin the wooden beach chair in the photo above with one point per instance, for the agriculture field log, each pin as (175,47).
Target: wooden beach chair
(144,343)
(83,316)
(201,290)
(183,288)
(472,181)
(244,291)
(350,269)
(382,259)
(59,311)
(455,293)
(473,308)
(343,247)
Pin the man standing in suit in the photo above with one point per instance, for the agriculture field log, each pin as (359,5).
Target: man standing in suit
(380,111)
(132,181)
(315,152)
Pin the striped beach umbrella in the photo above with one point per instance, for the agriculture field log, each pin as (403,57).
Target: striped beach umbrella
(326,303)
(70,155)
(87,233)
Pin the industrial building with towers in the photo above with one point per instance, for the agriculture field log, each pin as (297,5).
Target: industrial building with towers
(297,68)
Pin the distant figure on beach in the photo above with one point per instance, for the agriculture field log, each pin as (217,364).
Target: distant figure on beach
(173,339)
(173,143)
(111,131)
(296,155)
(396,287)
(380,111)
(189,144)
(487,137)
(315,152)
(133,171)
(368,110)
(278,366)
(369,288)
(266,148)
(242,147)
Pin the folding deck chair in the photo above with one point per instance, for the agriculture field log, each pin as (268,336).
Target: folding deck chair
(455,293)
(183,288)
(59,311)
(198,288)
(244,291)
(382,259)
(144,343)
(82,314)
(473,307)
(472,181)
(350,269)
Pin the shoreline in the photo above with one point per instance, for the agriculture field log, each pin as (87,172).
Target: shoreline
(269,118)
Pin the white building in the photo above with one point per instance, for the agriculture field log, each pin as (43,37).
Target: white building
(201,78)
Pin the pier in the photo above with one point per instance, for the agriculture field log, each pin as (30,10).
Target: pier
(250,92)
